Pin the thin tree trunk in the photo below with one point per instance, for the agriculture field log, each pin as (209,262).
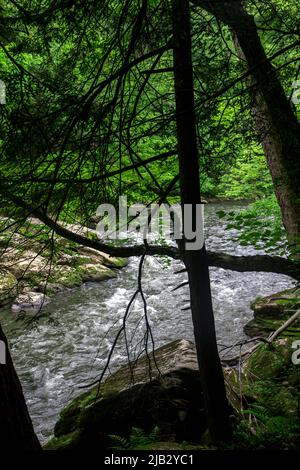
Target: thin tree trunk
(216,404)
(16,430)
(276,123)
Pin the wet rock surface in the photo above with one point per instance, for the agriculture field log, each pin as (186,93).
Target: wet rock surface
(29,301)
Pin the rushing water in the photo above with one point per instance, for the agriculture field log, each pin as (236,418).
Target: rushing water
(68,347)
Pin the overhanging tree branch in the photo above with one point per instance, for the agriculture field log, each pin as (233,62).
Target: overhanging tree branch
(257,263)
(97,178)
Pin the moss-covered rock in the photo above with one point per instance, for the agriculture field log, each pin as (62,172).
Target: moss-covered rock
(96,273)
(8,287)
(272,311)
(172,401)
(277,304)
(66,442)
(269,378)
(268,389)
(64,276)
(42,269)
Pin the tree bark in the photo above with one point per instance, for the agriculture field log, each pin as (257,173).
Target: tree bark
(16,429)
(256,263)
(276,123)
(196,262)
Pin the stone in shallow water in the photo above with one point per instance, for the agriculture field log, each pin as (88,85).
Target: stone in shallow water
(29,301)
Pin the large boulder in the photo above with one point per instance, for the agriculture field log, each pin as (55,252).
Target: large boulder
(27,263)
(172,401)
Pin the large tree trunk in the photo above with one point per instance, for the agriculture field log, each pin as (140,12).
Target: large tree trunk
(277,125)
(196,261)
(16,430)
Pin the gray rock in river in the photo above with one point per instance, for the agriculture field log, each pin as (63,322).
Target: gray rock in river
(30,301)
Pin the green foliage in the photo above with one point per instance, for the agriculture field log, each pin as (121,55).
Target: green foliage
(52,59)
(138,440)
(248,178)
(271,389)
(259,225)
(262,431)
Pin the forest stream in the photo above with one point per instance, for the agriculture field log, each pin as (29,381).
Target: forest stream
(68,346)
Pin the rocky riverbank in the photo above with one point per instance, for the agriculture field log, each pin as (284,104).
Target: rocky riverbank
(273,311)
(167,412)
(33,266)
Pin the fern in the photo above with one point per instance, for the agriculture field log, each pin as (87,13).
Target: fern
(155,434)
(119,442)
(138,439)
